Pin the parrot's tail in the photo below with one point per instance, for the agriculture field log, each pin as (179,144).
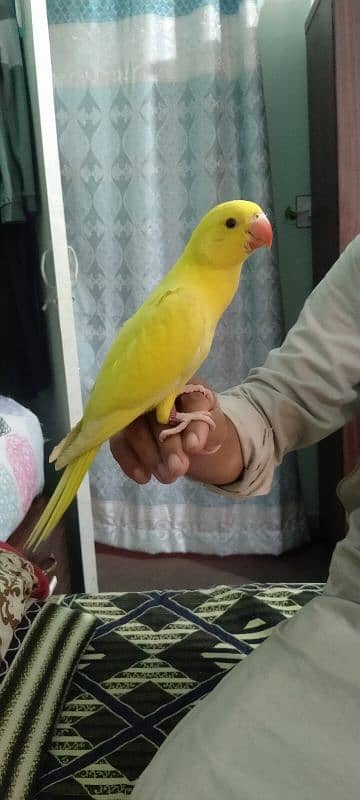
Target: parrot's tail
(61,498)
(56,452)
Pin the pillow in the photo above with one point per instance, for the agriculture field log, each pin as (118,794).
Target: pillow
(21,463)
(20,580)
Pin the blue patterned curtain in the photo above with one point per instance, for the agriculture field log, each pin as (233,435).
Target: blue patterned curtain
(160,115)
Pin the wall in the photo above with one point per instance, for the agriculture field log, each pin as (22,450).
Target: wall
(283,56)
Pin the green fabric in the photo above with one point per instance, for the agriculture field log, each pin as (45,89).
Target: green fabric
(7,9)
(17,182)
(32,694)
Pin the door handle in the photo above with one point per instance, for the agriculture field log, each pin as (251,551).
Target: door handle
(52,287)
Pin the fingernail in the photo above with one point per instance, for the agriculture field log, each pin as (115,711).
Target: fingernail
(174,464)
(191,441)
(139,475)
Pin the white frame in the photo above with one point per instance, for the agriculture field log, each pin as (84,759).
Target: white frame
(34,24)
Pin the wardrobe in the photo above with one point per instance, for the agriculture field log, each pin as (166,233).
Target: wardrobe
(333,64)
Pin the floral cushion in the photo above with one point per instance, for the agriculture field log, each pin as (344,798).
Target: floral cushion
(21,463)
(20,580)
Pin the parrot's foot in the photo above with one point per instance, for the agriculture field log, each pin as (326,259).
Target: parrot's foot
(192,387)
(179,420)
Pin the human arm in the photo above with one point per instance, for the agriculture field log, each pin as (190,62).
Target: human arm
(305,390)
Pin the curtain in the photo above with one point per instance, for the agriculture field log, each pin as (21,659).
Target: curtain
(160,115)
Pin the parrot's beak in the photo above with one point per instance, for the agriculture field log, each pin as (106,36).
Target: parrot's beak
(260,232)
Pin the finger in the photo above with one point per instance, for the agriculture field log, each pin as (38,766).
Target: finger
(214,438)
(127,460)
(198,435)
(173,461)
(195,401)
(140,437)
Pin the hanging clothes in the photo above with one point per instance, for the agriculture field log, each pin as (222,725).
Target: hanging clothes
(17,183)
(24,359)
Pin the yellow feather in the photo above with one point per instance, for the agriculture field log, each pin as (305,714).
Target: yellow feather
(60,499)
(56,452)
(159,349)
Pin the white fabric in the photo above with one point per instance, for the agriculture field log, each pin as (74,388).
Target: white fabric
(284,724)
(150,49)
(21,463)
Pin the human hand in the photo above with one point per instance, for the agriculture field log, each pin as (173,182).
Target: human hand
(141,455)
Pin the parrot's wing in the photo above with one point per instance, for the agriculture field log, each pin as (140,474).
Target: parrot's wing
(154,350)
(155,353)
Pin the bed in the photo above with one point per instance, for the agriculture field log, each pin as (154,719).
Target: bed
(139,662)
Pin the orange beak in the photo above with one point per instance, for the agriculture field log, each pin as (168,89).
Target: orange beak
(260,232)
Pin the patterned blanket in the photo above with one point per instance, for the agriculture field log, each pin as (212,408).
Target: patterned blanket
(152,657)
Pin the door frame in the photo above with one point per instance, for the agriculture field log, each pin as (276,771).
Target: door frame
(33,23)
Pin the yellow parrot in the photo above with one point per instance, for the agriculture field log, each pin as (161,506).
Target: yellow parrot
(160,347)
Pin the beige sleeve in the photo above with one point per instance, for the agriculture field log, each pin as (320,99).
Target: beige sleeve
(307,388)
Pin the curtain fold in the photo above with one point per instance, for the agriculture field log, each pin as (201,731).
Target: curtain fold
(160,115)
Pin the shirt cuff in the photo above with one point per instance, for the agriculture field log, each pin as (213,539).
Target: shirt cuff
(257,444)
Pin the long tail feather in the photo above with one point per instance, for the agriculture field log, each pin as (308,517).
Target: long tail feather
(61,498)
(65,442)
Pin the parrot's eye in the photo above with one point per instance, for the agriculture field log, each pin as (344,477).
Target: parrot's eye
(231,222)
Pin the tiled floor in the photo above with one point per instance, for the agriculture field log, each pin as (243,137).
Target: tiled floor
(120,570)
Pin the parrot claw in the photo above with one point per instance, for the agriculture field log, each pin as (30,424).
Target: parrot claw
(191,387)
(179,420)
(212,451)
(183,419)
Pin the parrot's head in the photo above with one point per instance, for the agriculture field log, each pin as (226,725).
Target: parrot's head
(229,233)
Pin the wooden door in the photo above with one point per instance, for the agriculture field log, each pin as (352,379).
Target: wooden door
(325,222)
(346,15)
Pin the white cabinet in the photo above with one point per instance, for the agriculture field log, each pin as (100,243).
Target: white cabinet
(62,406)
